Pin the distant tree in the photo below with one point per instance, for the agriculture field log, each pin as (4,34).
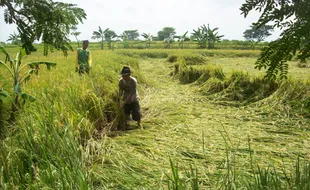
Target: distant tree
(43,20)
(75,33)
(169,40)
(204,35)
(257,34)
(182,39)
(148,38)
(99,35)
(14,39)
(213,37)
(166,32)
(131,34)
(124,38)
(293,17)
(110,36)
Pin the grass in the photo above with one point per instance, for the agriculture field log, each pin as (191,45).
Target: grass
(190,140)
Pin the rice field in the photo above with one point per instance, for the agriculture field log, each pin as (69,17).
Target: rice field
(211,122)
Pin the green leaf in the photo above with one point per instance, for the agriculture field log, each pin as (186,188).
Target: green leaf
(28,97)
(8,58)
(4,93)
(35,65)
(17,88)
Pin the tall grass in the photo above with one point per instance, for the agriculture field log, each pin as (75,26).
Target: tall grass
(61,140)
(45,148)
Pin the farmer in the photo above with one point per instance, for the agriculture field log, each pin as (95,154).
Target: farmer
(83,59)
(130,99)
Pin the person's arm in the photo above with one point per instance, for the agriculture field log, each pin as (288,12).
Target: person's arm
(77,60)
(90,59)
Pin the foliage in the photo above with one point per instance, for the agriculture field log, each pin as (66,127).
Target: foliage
(75,33)
(293,17)
(14,38)
(43,19)
(257,34)
(166,32)
(100,35)
(109,36)
(20,75)
(204,35)
(148,38)
(169,40)
(131,34)
(182,39)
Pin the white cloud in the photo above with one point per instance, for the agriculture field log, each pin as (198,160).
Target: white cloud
(149,16)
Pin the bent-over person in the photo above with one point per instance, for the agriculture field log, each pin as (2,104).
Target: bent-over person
(129,96)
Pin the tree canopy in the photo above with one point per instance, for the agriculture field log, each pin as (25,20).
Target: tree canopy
(166,32)
(257,34)
(293,17)
(43,20)
(131,34)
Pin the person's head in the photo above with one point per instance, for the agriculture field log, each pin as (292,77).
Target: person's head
(126,73)
(85,44)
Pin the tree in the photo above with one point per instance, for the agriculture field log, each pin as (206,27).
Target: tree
(109,36)
(257,34)
(14,38)
(213,37)
(75,34)
(43,20)
(293,18)
(131,34)
(147,38)
(100,35)
(165,33)
(168,41)
(204,35)
(182,39)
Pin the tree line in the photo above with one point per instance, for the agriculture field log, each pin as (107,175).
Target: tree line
(51,22)
(204,36)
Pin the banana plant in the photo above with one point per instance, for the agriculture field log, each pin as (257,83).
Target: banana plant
(20,73)
(201,36)
(206,35)
(168,41)
(148,38)
(213,37)
(182,39)
(15,39)
(100,35)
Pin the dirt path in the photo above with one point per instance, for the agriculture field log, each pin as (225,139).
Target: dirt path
(188,128)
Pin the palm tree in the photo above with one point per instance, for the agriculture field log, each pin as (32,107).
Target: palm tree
(99,35)
(14,38)
(182,39)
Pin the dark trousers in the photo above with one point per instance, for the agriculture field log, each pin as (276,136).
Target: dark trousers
(83,71)
(134,109)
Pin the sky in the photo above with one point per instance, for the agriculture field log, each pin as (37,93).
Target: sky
(150,16)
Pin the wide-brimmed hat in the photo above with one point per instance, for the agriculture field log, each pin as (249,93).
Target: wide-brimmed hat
(125,71)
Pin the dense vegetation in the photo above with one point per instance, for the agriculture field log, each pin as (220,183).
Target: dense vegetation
(237,129)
